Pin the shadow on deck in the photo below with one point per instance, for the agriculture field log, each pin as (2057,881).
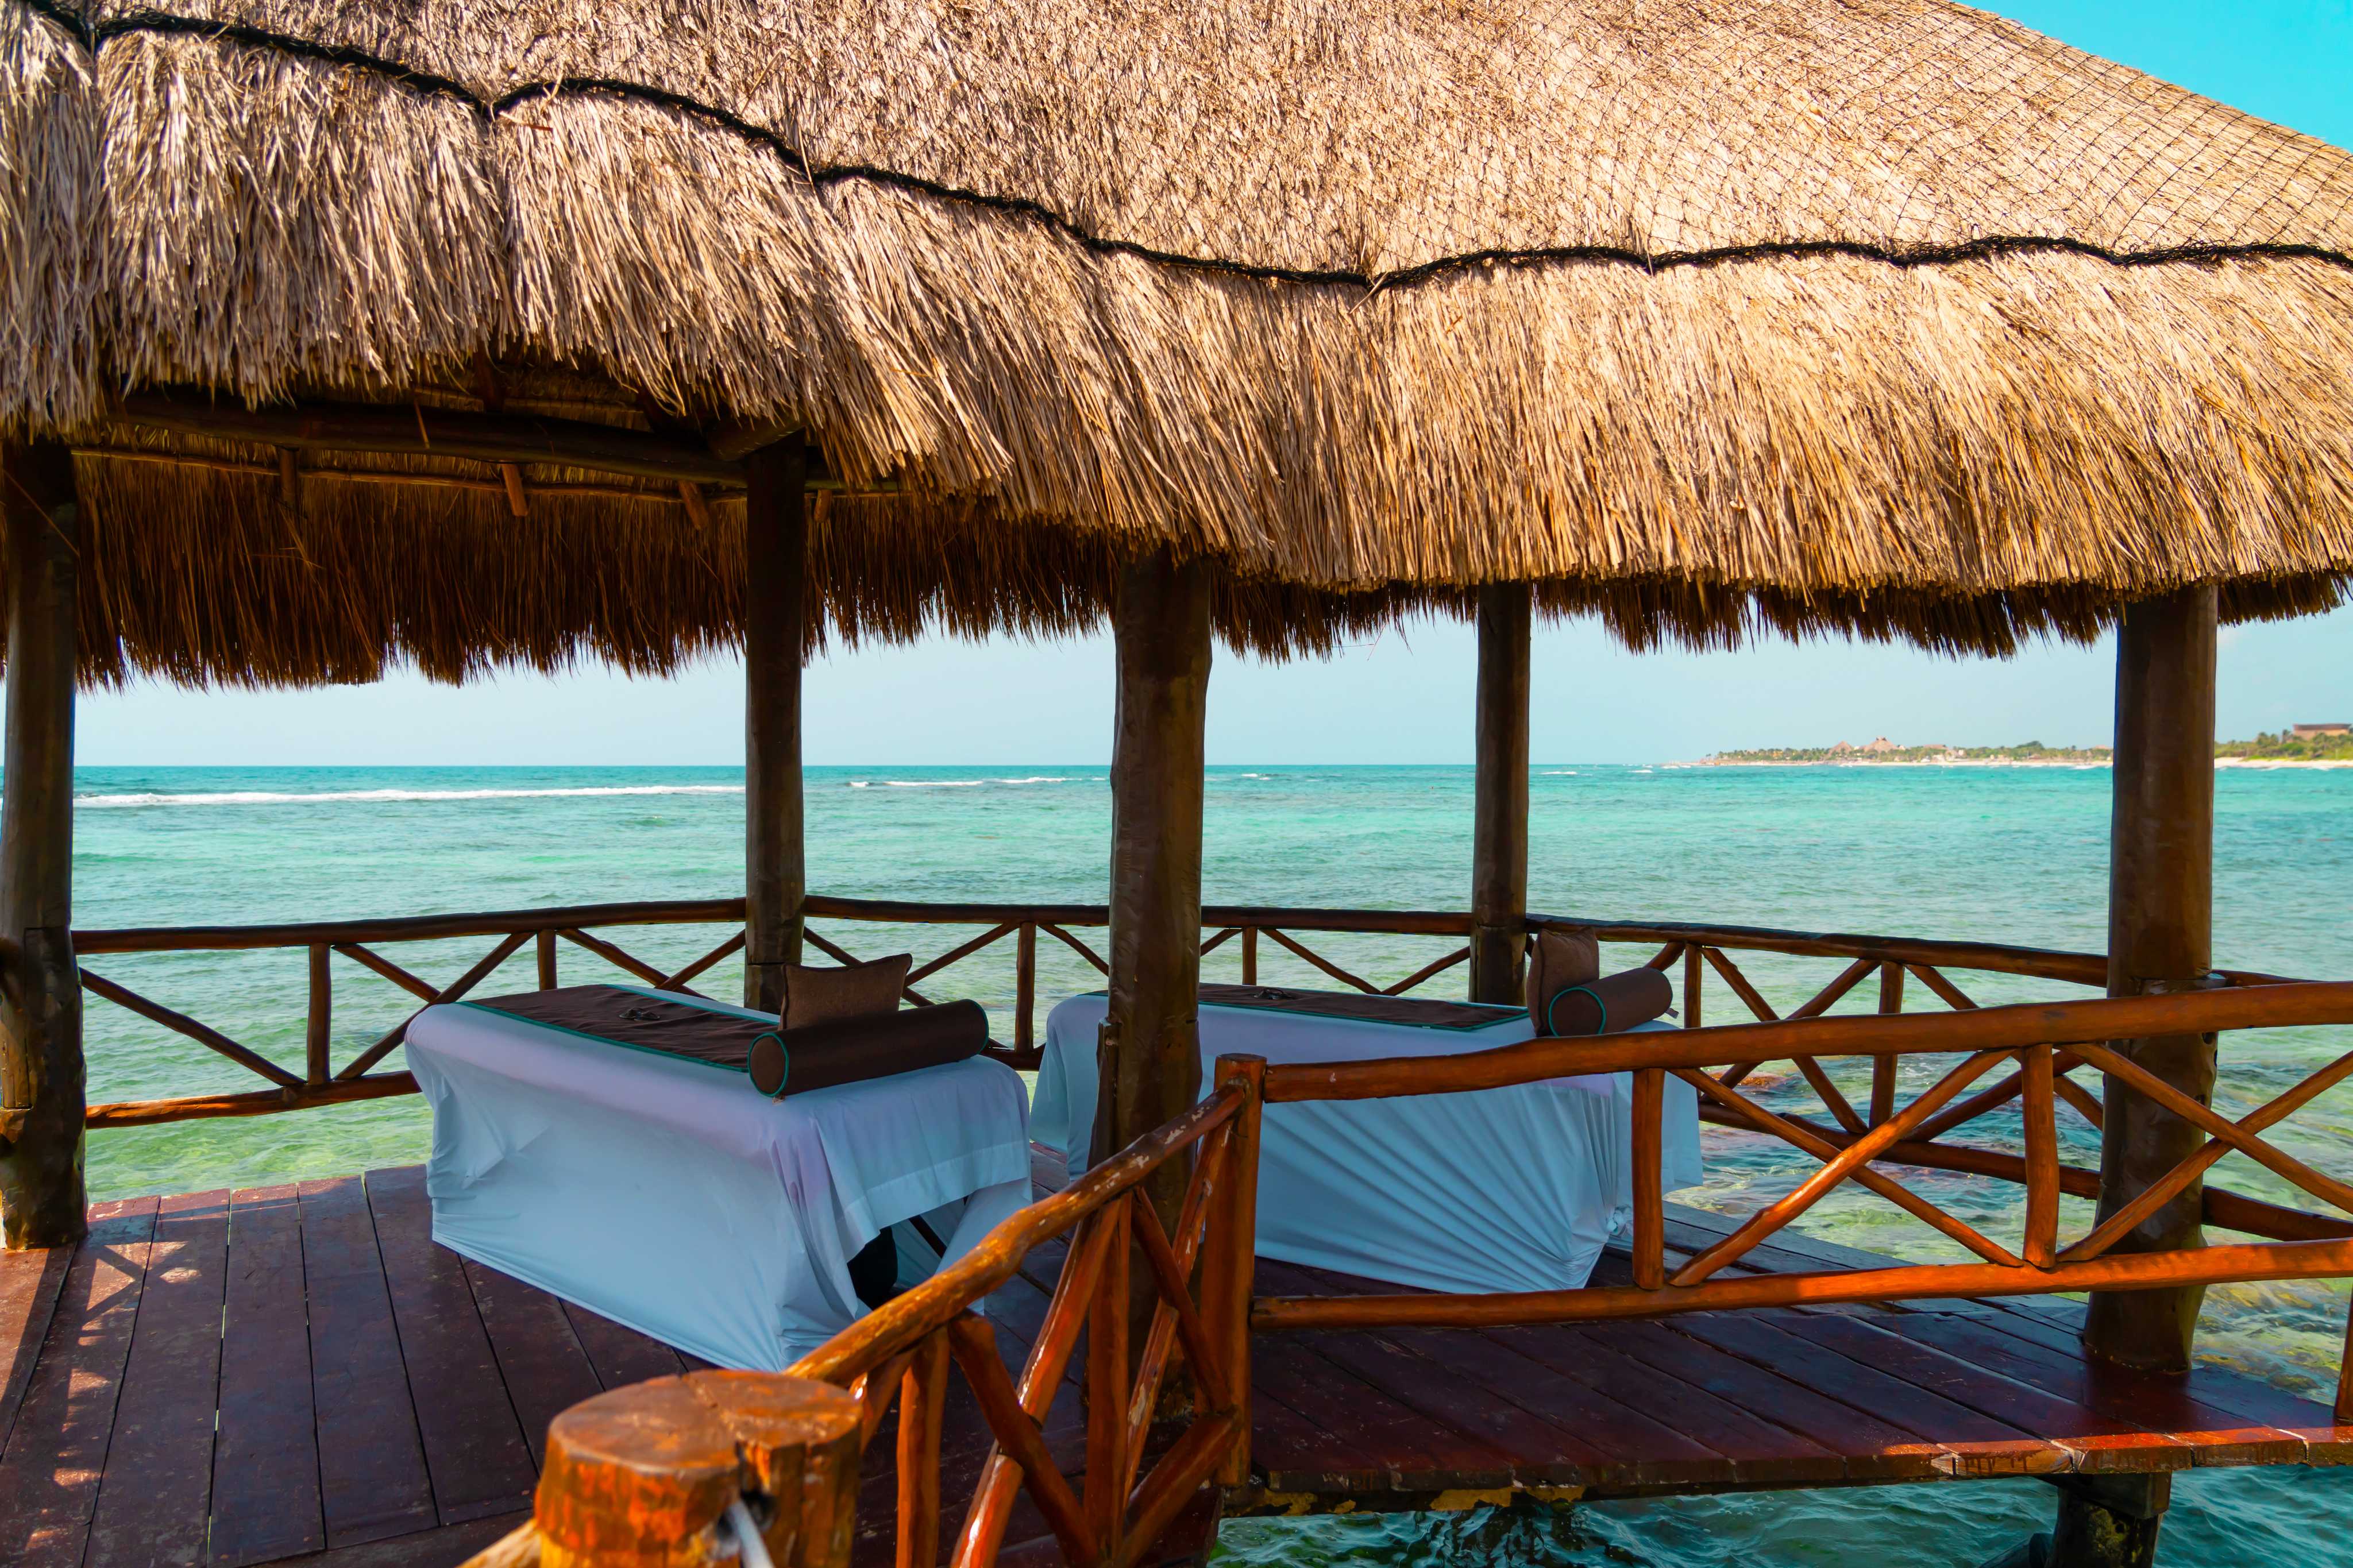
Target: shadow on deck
(299,1374)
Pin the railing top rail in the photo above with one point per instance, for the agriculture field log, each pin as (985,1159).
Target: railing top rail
(2039,962)
(1869,1034)
(906,1319)
(2080,968)
(406,928)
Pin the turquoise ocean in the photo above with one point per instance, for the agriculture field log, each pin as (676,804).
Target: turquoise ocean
(1999,854)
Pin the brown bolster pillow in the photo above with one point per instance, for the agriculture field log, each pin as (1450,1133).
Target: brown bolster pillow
(851,1050)
(1608,1005)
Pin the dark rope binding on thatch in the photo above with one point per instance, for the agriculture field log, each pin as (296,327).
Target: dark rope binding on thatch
(92,36)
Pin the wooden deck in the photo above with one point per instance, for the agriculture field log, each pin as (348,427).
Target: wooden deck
(297,1373)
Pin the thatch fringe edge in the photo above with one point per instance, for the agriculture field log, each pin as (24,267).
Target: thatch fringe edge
(92,36)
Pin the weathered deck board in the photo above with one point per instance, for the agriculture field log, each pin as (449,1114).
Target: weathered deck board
(474,1448)
(371,1473)
(29,1285)
(56,1450)
(539,1355)
(416,1388)
(266,1455)
(156,1491)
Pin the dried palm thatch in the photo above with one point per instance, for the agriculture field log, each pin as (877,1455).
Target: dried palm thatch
(1877,315)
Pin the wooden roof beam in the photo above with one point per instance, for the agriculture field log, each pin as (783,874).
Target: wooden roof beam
(415,430)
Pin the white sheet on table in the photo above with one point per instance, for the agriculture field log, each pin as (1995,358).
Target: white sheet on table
(676,1198)
(1501,1189)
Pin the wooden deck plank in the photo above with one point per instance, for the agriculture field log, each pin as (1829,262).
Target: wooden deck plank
(2248,1398)
(1425,1374)
(1367,1433)
(2096,1442)
(372,1478)
(30,1283)
(620,1355)
(50,1471)
(1629,1450)
(474,1450)
(1539,1451)
(1871,1448)
(266,1457)
(1974,1445)
(155,1500)
(443,1546)
(540,1358)
(1760,1452)
(2161,1403)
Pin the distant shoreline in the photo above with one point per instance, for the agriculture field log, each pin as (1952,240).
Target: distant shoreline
(2079,765)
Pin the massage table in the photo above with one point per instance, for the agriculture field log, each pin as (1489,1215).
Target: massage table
(1501,1189)
(670,1196)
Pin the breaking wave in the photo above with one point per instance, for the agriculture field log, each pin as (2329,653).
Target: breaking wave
(344,797)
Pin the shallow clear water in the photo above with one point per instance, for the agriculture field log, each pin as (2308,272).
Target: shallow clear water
(2004,856)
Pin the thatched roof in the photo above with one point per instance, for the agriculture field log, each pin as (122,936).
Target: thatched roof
(1882,314)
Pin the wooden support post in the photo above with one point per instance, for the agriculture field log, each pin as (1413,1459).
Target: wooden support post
(644,1473)
(2108,1521)
(319,1037)
(544,950)
(2160,938)
(42,1082)
(775,572)
(1229,1262)
(1250,956)
(1499,848)
(1694,966)
(1152,1034)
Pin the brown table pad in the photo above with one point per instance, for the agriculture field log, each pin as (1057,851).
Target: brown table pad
(677,1028)
(779,1061)
(1413,1012)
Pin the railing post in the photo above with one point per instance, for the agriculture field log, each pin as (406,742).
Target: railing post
(1250,956)
(1228,1272)
(319,1034)
(1649,1193)
(1106,1391)
(1882,1069)
(1024,987)
(646,1474)
(1694,966)
(546,946)
(2038,1109)
(922,1394)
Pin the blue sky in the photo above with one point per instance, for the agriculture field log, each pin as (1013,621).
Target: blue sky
(1402,698)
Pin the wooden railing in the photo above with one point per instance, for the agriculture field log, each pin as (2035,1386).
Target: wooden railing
(2038,1041)
(1197,1272)
(1251,933)
(1150,1446)
(1146,1446)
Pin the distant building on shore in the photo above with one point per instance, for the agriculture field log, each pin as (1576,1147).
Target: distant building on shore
(2315,732)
